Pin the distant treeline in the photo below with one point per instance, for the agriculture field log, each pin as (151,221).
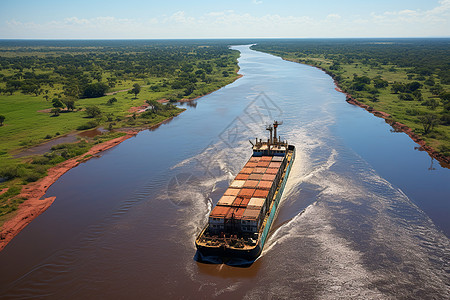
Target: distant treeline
(34,67)
(426,56)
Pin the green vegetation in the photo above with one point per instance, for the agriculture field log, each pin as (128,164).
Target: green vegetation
(406,78)
(51,88)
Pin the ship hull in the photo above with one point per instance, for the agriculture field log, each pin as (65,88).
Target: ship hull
(223,254)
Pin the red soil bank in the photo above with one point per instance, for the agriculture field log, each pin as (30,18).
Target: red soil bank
(443,160)
(33,206)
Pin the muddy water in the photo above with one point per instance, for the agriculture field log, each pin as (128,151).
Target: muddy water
(363,216)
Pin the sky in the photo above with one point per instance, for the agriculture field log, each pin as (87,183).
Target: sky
(174,19)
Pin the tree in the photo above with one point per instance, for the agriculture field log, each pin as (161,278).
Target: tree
(189,89)
(412,86)
(135,90)
(55,111)
(93,111)
(405,97)
(112,100)
(72,90)
(111,81)
(397,87)
(437,89)
(432,103)
(428,122)
(70,104)
(2,119)
(95,90)
(380,83)
(57,103)
(445,97)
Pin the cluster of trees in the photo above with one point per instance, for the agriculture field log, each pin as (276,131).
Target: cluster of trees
(81,70)
(73,70)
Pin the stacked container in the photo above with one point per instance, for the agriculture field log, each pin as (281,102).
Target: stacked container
(245,203)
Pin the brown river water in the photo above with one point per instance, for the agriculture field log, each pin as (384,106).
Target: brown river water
(363,216)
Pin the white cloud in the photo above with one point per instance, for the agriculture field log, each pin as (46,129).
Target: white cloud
(333,17)
(76,21)
(408,12)
(257,2)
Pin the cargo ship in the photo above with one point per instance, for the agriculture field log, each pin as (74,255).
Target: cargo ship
(239,224)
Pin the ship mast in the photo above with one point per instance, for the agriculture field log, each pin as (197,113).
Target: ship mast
(270,130)
(275,125)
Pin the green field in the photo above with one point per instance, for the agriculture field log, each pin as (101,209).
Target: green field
(408,79)
(32,77)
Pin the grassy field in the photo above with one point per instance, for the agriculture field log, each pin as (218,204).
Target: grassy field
(344,70)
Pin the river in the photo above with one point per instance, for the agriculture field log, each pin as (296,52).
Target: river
(363,215)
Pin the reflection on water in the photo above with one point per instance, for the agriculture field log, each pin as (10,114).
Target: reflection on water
(357,219)
(93,132)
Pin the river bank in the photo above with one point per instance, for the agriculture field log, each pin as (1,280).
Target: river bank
(34,206)
(397,126)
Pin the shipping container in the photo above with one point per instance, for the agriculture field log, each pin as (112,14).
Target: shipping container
(256,176)
(232,192)
(240,202)
(251,220)
(241,176)
(237,184)
(254,159)
(275,164)
(268,177)
(266,158)
(278,158)
(251,183)
(226,200)
(246,193)
(219,211)
(234,213)
(265,185)
(271,171)
(259,170)
(251,164)
(260,193)
(263,163)
(257,203)
(246,170)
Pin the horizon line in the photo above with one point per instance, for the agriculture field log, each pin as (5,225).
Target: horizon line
(222,38)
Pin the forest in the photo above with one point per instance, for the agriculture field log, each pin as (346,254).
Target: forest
(406,78)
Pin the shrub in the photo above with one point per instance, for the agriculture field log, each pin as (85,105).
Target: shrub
(31,177)
(93,111)
(112,100)
(88,125)
(95,90)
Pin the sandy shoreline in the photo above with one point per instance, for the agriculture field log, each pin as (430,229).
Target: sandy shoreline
(443,160)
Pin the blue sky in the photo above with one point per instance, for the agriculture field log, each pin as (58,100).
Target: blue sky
(132,19)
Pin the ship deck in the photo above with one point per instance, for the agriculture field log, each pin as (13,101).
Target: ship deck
(244,241)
